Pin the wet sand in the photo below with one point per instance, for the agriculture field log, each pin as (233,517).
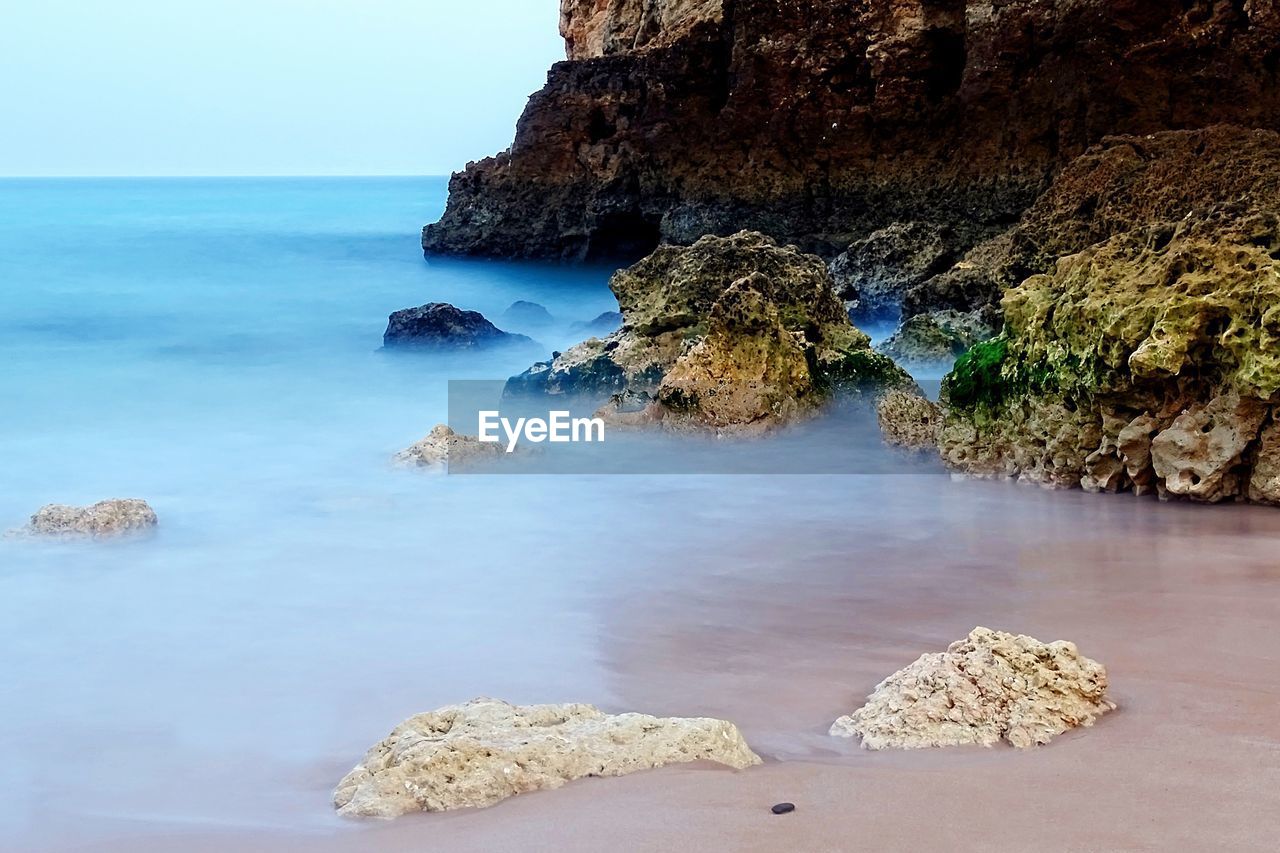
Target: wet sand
(782,630)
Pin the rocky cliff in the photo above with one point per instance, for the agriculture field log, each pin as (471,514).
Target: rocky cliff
(818,123)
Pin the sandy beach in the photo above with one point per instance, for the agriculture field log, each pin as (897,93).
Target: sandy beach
(783,633)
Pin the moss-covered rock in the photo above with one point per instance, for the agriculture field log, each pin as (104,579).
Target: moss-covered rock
(1148,361)
(731,332)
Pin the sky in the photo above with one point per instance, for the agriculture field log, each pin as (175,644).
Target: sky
(266,87)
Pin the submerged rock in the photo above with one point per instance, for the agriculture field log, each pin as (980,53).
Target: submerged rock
(729,333)
(936,339)
(477,754)
(989,687)
(441,326)
(527,315)
(444,449)
(1150,360)
(102,520)
(909,420)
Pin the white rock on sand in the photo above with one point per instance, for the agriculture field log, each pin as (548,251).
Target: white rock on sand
(443,447)
(987,687)
(103,519)
(474,755)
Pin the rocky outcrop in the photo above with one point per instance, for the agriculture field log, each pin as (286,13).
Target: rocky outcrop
(602,324)
(936,339)
(444,450)
(594,28)
(989,687)
(909,421)
(730,333)
(441,326)
(477,754)
(527,315)
(1149,360)
(874,274)
(819,123)
(102,520)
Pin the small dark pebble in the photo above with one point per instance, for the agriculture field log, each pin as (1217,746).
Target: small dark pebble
(784,808)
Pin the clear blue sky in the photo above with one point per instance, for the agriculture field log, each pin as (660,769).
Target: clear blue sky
(266,87)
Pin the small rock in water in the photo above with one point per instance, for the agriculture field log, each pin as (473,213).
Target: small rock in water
(103,519)
(441,326)
(784,808)
(523,314)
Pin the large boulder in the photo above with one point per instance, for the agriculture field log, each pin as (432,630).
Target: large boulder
(936,339)
(1150,360)
(477,754)
(731,332)
(989,687)
(440,326)
(104,519)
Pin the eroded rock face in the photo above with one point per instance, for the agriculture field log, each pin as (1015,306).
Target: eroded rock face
(989,687)
(594,28)
(1148,361)
(874,274)
(441,326)
(443,449)
(819,123)
(477,754)
(104,519)
(909,420)
(731,332)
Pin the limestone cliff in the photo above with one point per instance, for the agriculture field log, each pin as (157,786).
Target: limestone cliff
(818,123)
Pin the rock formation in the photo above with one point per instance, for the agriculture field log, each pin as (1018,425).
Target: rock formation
(104,519)
(441,326)
(1150,358)
(936,339)
(874,274)
(523,314)
(477,754)
(729,333)
(602,324)
(989,687)
(819,123)
(443,450)
(909,420)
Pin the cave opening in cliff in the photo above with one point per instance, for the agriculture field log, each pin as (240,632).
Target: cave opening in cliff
(623,237)
(948,56)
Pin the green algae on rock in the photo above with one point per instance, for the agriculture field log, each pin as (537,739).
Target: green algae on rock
(1136,364)
(730,333)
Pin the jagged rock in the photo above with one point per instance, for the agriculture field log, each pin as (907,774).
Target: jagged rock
(593,28)
(102,520)
(875,273)
(1109,363)
(439,325)
(1264,484)
(731,332)
(909,420)
(522,314)
(607,322)
(937,339)
(477,754)
(443,449)
(989,687)
(819,123)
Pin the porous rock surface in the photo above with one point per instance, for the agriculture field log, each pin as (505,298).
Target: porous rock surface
(874,274)
(1149,360)
(909,420)
(729,333)
(989,687)
(820,122)
(477,754)
(101,520)
(443,449)
(936,339)
(441,326)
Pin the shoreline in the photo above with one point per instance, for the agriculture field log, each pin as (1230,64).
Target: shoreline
(1185,631)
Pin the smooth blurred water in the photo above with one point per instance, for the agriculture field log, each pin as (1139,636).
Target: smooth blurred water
(212,346)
